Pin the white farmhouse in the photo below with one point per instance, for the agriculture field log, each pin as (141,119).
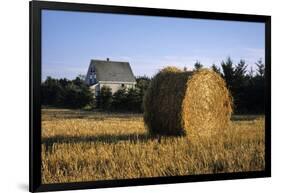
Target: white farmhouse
(113,74)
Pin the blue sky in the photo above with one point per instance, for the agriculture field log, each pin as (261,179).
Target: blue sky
(71,39)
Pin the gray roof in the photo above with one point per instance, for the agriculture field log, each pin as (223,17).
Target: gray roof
(113,71)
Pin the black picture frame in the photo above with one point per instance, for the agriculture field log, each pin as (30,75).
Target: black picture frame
(36,7)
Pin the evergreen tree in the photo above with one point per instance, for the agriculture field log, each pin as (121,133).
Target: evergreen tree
(105,98)
(120,99)
(134,100)
(239,87)
(198,65)
(215,68)
(260,68)
(142,84)
(228,72)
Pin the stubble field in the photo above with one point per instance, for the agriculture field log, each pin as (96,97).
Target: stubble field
(88,146)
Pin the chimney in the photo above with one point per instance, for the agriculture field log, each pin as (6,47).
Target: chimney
(107,59)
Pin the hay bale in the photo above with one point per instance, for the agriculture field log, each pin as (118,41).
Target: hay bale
(193,103)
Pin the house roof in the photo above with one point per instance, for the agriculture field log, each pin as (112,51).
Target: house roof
(113,71)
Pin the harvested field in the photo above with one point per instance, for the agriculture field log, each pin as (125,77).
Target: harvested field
(86,146)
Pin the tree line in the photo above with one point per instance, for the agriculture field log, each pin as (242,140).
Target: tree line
(66,93)
(76,94)
(247,88)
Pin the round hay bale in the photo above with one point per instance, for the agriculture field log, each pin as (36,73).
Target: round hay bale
(193,103)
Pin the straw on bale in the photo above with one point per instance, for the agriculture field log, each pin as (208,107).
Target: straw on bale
(193,103)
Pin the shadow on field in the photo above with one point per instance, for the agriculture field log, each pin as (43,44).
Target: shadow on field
(109,139)
(244,117)
(48,116)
